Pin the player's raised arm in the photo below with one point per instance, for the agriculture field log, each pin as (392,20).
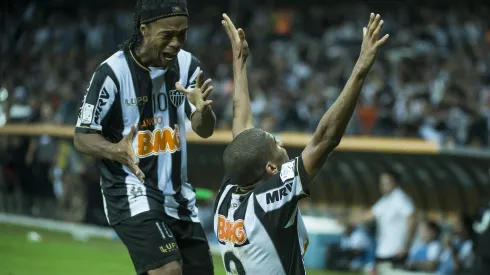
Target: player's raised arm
(333,124)
(242,112)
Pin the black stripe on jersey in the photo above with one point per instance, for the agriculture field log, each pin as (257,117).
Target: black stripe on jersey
(226,181)
(143,87)
(188,109)
(171,78)
(112,171)
(285,240)
(192,68)
(113,123)
(195,63)
(93,93)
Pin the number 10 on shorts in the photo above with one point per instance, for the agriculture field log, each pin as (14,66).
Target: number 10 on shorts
(164,231)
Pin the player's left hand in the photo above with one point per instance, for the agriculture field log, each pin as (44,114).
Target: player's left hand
(370,44)
(199,95)
(238,41)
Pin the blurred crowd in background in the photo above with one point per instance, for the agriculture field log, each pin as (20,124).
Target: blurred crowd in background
(432,80)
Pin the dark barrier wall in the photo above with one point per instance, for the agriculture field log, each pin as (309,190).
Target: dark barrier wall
(447,181)
(437,179)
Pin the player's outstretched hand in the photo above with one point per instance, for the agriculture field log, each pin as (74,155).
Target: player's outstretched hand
(124,154)
(370,43)
(239,44)
(199,95)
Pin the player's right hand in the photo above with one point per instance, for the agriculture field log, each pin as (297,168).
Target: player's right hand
(124,154)
(239,44)
(370,44)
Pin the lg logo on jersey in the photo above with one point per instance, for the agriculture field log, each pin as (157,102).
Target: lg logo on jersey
(158,141)
(229,231)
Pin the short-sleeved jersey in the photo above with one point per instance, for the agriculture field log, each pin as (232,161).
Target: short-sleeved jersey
(261,231)
(122,93)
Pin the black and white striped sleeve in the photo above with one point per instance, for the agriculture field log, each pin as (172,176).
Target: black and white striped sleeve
(279,196)
(97,101)
(194,68)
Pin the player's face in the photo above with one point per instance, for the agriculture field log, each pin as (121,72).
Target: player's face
(386,183)
(279,155)
(164,38)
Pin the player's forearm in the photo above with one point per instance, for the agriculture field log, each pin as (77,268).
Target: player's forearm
(333,124)
(94,145)
(242,110)
(204,122)
(411,231)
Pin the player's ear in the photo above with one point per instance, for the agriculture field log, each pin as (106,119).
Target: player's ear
(271,168)
(144,30)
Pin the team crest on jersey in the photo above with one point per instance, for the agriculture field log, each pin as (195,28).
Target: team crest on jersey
(176,97)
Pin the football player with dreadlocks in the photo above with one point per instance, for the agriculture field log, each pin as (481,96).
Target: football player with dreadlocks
(133,120)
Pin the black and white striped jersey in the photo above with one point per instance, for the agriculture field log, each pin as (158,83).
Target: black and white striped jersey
(123,92)
(261,231)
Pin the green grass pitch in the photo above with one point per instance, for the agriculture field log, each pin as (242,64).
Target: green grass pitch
(59,253)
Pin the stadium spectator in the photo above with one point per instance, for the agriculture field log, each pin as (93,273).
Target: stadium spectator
(425,252)
(458,256)
(352,252)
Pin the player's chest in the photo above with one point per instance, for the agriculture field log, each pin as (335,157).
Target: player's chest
(152,102)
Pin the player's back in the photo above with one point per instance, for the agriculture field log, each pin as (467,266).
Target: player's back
(260,230)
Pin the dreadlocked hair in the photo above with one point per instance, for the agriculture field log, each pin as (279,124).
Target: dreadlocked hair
(145,5)
(136,36)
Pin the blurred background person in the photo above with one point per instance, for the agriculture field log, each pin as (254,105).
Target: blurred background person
(394,214)
(482,239)
(425,252)
(458,255)
(353,251)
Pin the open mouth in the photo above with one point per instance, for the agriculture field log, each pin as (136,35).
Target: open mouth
(169,56)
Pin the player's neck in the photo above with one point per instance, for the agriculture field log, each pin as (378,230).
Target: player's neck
(250,187)
(143,56)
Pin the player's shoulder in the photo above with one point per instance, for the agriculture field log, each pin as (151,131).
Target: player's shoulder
(288,172)
(186,56)
(108,70)
(187,60)
(117,62)
(114,66)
